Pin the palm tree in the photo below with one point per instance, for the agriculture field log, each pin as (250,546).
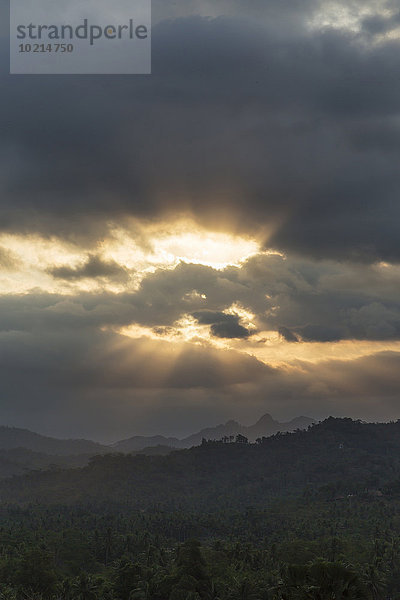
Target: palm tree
(336,580)
(85,588)
(7,593)
(142,592)
(375,582)
(66,591)
(243,590)
(212,593)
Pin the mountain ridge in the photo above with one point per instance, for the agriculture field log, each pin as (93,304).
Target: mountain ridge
(265,426)
(12,438)
(15,437)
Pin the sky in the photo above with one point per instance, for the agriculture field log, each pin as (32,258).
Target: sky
(217,240)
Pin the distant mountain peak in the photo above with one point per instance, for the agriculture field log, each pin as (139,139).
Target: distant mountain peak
(265,420)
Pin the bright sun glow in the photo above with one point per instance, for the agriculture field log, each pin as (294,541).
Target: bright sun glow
(184,242)
(140,250)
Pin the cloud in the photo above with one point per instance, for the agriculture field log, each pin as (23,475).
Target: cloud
(381,24)
(8,260)
(288,335)
(223,325)
(298,298)
(321,333)
(94,267)
(256,124)
(313,300)
(229,330)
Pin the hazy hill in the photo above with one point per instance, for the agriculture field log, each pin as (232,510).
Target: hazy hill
(11,437)
(139,442)
(22,450)
(264,427)
(337,456)
(156,451)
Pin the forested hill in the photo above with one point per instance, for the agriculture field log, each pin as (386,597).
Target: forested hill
(334,458)
(13,437)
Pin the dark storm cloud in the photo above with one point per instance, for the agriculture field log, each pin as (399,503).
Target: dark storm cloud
(94,267)
(208,317)
(223,325)
(287,334)
(321,333)
(378,24)
(229,330)
(320,301)
(266,124)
